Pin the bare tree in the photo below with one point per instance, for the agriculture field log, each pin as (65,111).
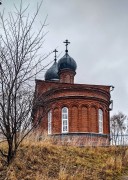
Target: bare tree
(19,63)
(118,127)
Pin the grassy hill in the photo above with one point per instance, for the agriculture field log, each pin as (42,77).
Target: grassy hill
(46,161)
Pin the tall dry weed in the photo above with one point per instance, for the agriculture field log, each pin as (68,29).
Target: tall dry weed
(40,158)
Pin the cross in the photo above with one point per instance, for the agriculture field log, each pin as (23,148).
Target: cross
(55,51)
(66,42)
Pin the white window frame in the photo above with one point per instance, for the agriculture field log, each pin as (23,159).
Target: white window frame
(49,122)
(100,120)
(64,120)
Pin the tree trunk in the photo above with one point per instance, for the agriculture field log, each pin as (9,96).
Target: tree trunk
(11,153)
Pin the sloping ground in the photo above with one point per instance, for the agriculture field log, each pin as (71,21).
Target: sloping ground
(45,161)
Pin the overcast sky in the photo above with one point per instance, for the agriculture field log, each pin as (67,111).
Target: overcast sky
(98,32)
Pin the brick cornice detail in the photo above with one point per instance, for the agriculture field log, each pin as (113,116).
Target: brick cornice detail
(79,89)
(73,97)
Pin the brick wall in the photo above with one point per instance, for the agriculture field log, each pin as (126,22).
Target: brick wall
(83,102)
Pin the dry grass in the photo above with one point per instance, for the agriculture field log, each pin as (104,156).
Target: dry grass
(43,160)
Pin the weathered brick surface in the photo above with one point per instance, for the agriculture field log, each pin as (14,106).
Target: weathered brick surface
(82,139)
(67,76)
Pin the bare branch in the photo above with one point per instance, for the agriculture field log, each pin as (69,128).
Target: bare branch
(19,64)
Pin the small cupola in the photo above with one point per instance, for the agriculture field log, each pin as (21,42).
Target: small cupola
(67,67)
(52,73)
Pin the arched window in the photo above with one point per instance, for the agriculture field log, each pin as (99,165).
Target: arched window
(50,122)
(64,120)
(100,113)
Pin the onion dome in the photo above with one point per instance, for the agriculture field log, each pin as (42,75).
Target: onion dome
(67,62)
(52,73)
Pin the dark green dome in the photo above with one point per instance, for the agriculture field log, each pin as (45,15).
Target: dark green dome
(52,73)
(67,62)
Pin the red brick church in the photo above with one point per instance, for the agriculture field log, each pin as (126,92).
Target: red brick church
(72,112)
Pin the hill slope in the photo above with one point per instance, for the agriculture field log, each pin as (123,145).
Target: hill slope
(41,160)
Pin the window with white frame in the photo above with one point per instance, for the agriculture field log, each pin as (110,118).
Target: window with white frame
(50,122)
(64,120)
(100,121)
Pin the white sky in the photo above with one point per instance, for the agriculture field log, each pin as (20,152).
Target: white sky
(98,32)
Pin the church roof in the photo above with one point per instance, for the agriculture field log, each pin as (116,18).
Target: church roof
(52,72)
(67,62)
